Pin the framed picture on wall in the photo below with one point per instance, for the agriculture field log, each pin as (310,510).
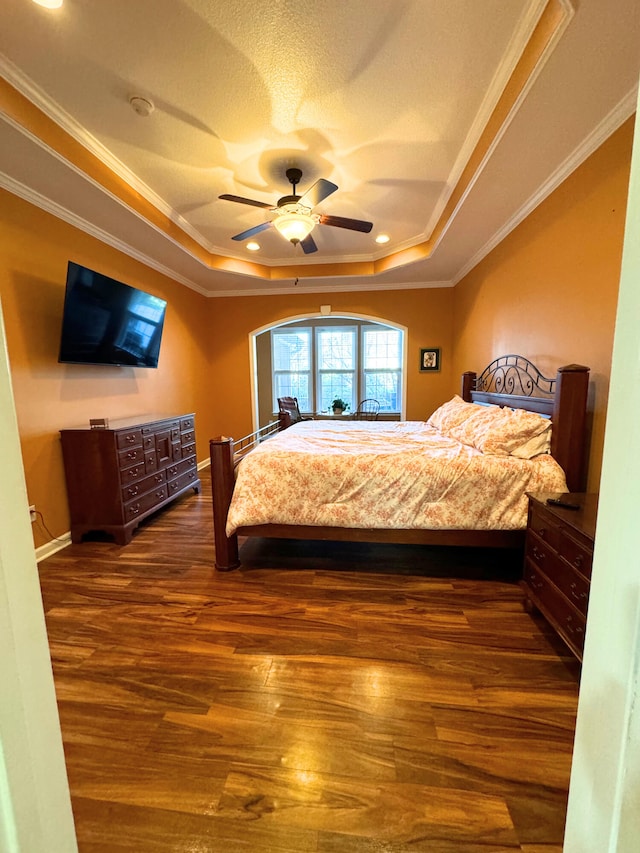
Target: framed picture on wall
(430,359)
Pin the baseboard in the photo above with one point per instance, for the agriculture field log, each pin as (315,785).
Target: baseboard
(53,547)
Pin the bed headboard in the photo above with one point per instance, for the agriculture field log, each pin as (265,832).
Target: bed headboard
(512,380)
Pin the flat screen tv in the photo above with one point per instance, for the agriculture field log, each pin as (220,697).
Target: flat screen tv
(105,321)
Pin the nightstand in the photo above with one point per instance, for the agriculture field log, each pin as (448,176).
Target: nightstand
(557,565)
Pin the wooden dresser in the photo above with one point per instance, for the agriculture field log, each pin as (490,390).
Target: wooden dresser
(558,557)
(120,475)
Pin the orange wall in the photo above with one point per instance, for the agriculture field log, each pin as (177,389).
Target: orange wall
(34,250)
(427,313)
(549,290)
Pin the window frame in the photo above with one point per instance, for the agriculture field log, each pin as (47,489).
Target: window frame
(352,328)
(283,330)
(360,324)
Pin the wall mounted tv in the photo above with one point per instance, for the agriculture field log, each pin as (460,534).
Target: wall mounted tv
(107,322)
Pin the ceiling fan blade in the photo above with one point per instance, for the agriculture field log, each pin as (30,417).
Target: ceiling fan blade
(351,224)
(317,193)
(308,245)
(240,200)
(251,232)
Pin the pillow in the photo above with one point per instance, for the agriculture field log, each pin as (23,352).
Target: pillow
(450,414)
(535,446)
(503,432)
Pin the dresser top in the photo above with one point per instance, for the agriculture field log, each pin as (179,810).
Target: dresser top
(131,422)
(583,519)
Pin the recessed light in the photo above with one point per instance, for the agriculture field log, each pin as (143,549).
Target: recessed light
(382,238)
(49,4)
(253,247)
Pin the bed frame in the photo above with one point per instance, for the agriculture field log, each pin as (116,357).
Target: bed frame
(510,380)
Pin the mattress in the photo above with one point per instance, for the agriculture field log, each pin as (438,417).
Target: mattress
(388,475)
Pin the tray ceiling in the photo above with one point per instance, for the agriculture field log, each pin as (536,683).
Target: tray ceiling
(443,124)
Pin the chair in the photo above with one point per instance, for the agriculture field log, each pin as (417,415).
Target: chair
(288,412)
(367,410)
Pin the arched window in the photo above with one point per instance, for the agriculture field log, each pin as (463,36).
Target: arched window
(321,358)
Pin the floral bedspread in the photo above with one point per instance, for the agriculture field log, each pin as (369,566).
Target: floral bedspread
(402,474)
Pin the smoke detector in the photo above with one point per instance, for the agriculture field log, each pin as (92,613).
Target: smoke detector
(142,106)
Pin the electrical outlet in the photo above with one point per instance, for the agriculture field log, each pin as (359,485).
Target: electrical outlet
(32,512)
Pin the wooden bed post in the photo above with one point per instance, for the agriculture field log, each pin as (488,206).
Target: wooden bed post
(569,422)
(468,385)
(222,482)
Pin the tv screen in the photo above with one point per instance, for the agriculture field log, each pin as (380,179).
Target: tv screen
(107,322)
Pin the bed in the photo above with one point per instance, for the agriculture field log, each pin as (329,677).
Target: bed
(455,479)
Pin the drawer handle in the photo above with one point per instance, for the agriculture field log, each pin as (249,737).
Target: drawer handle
(159,493)
(134,510)
(131,454)
(133,472)
(173,471)
(159,478)
(132,491)
(535,583)
(191,475)
(131,439)
(578,561)
(538,555)
(581,597)
(573,629)
(542,532)
(173,486)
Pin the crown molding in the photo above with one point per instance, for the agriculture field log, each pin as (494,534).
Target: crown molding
(618,115)
(20,81)
(568,11)
(33,197)
(500,79)
(304,286)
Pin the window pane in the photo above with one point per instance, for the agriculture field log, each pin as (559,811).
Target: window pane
(291,356)
(292,350)
(336,349)
(334,385)
(383,387)
(381,349)
(293,385)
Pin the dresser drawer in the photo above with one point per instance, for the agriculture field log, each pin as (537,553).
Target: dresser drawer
(139,487)
(145,502)
(186,423)
(130,475)
(579,556)
(129,456)
(129,438)
(183,481)
(544,527)
(187,437)
(150,461)
(540,552)
(562,616)
(188,450)
(180,468)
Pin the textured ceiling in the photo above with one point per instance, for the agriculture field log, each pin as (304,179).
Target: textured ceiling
(442,123)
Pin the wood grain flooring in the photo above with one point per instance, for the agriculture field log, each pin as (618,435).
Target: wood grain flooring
(321,699)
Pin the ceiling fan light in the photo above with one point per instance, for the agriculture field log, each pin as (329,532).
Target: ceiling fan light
(294,226)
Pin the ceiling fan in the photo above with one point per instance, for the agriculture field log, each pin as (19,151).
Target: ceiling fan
(294,218)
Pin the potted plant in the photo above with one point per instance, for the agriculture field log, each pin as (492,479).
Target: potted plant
(339,406)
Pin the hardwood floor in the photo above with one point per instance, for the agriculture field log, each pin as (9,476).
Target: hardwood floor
(301,703)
